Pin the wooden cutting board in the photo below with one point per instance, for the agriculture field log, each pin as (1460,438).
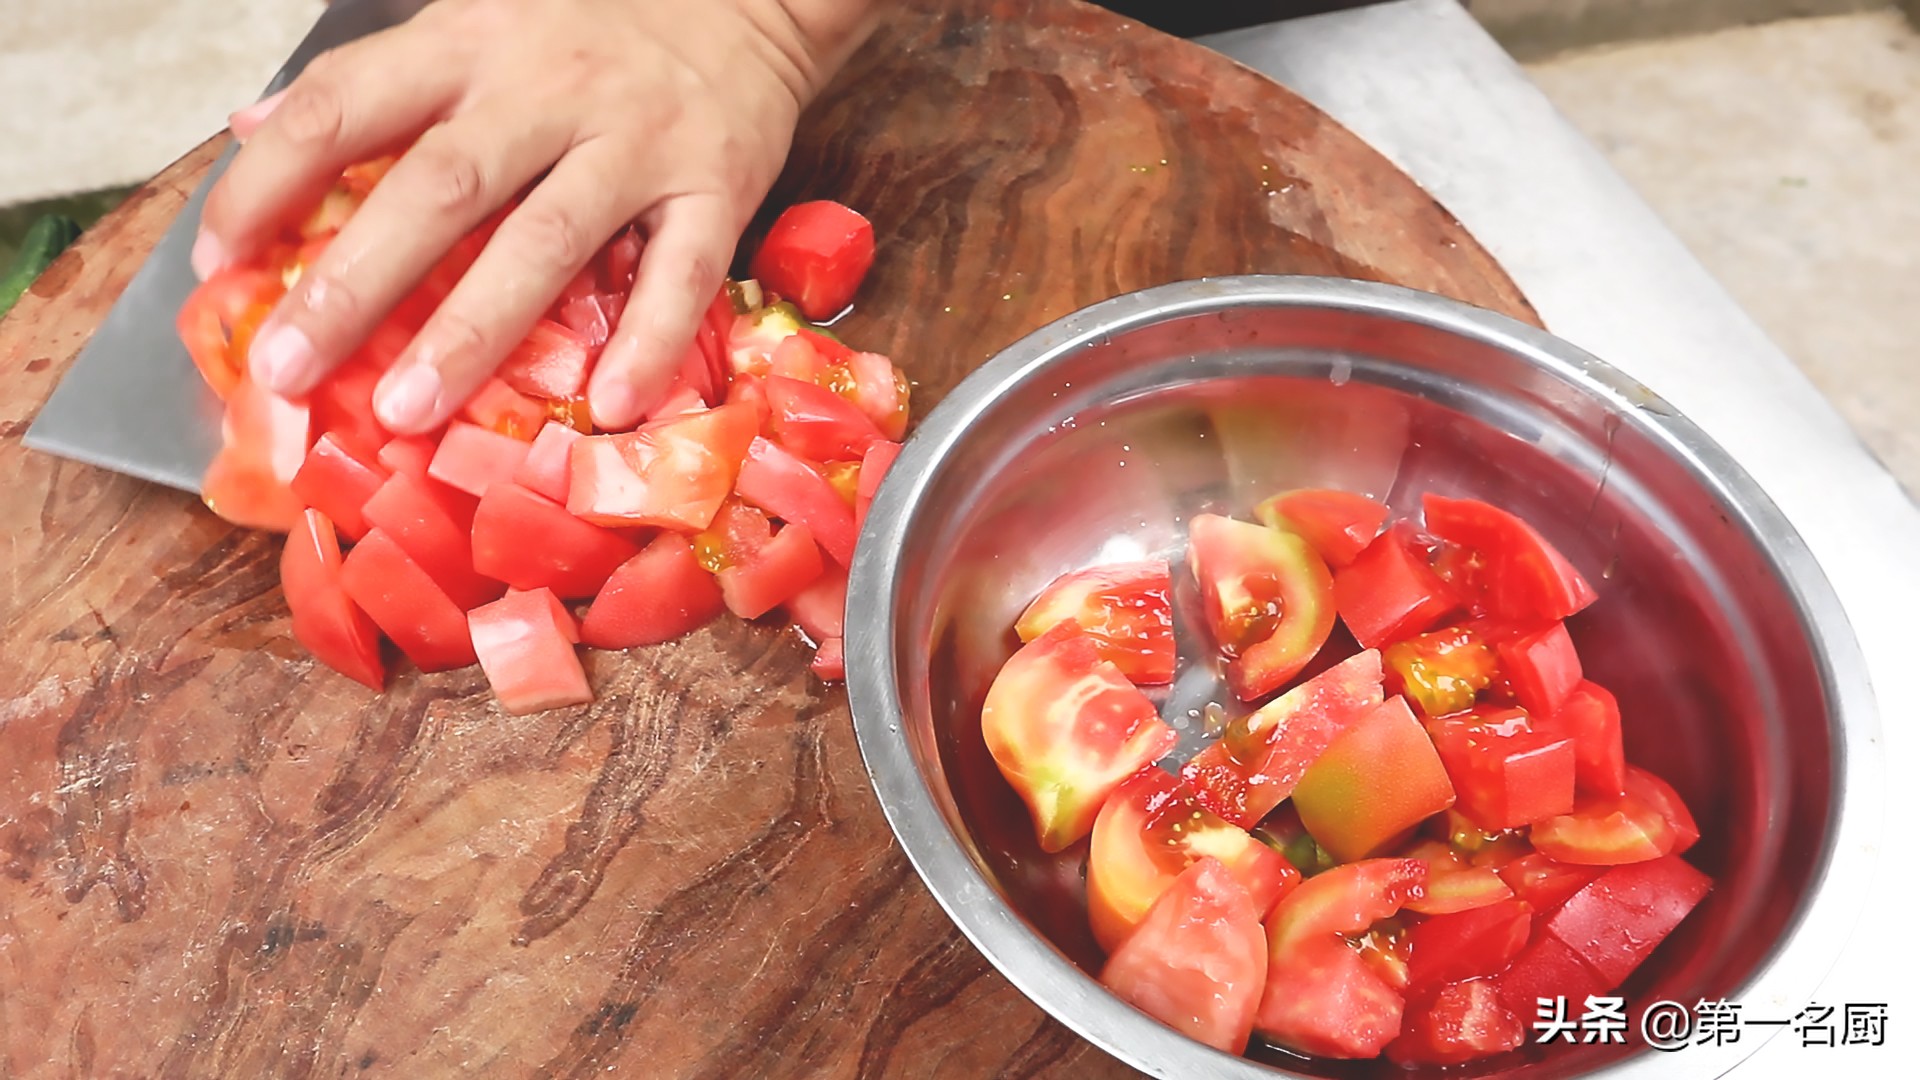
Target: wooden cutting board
(217,859)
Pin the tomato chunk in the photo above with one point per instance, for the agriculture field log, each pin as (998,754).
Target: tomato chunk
(670,473)
(218,319)
(264,441)
(470,458)
(338,480)
(1545,970)
(817,423)
(1268,600)
(1524,577)
(550,362)
(829,661)
(1442,672)
(658,595)
(1646,821)
(1616,922)
(526,653)
(1467,944)
(1377,780)
(1459,1022)
(406,603)
(531,542)
(1389,592)
(1591,716)
(816,255)
(1506,772)
(772,575)
(1198,960)
(545,470)
(342,405)
(821,608)
(1260,757)
(880,391)
(325,619)
(1150,830)
(410,516)
(1544,883)
(1339,524)
(1066,729)
(873,469)
(1124,607)
(1454,884)
(1542,667)
(499,407)
(790,489)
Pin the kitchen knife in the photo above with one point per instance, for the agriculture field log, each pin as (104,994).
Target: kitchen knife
(133,401)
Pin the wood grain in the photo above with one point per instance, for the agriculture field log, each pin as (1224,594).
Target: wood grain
(219,860)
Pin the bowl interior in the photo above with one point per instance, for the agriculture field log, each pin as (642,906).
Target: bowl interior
(1108,451)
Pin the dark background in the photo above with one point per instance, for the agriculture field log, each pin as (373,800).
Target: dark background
(1194,17)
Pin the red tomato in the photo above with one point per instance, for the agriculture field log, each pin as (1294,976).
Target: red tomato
(1459,1022)
(681,400)
(531,542)
(619,260)
(1339,524)
(1066,729)
(693,383)
(1506,773)
(1542,667)
(499,407)
(817,423)
(1321,996)
(413,455)
(1646,821)
(658,595)
(1526,579)
(325,619)
(873,469)
(1268,600)
(218,319)
(821,608)
(550,362)
(1543,883)
(1123,607)
(421,526)
(830,661)
(545,469)
(816,255)
(1261,756)
(772,575)
(524,648)
(1467,944)
(403,600)
(1613,924)
(671,473)
(1150,830)
(1197,962)
(1389,592)
(264,441)
(338,480)
(797,358)
(342,405)
(881,392)
(589,318)
(790,489)
(1545,970)
(1443,671)
(1377,780)
(471,459)
(1454,884)
(1592,717)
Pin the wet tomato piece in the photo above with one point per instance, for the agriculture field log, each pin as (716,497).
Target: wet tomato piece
(1123,607)
(1198,961)
(1268,599)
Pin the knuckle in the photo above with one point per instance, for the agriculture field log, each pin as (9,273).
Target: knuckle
(553,239)
(454,341)
(446,180)
(312,115)
(326,305)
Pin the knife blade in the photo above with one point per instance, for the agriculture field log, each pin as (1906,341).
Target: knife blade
(133,401)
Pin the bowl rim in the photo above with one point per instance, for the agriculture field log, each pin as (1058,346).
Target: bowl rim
(1786,978)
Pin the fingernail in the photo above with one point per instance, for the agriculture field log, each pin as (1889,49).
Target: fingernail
(614,405)
(280,357)
(209,255)
(408,397)
(244,121)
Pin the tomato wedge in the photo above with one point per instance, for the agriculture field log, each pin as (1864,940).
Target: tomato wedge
(264,442)
(1389,592)
(338,481)
(325,619)
(406,603)
(471,458)
(670,473)
(1591,716)
(821,608)
(873,469)
(1457,1023)
(1544,971)
(408,513)
(1066,729)
(546,469)
(790,489)
(1375,782)
(817,423)
(1614,923)
(218,319)
(1646,821)
(1542,667)
(524,642)
(658,595)
(1268,599)
(773,574)
(1467,944)
(1544,883)
(1442,672)
(816,255)
(1339,524)
(1506,772)
(1197,962)
(531,542)
(1525,578)
(499,407)
(1258,760)
(1148,833)
(1124,607)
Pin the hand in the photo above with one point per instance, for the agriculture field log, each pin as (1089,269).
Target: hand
(614,111)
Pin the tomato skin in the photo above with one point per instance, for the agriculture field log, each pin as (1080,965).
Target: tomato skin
(817,423)
(1454,884)
(1506,772)
(411,517)
(1258,760)
(1614,923)
(1149,832)
(406,603)
(1197,962)
(1124,607)
(1591,715)
(774,574)
(670,473)
(342,405)
(545,469)
(325,619)
(499,407)
(1467,944)
(217,321)
(1066,729)
(471,459)
(531,542)
(1457,1023)
(1646,821)
(1268,599)
(1526,579)
(1443,672)
(338,481)
(1544,883)
(1389,592)
(1547,969)
(788,488)
(873,469)
(524,648)
(1339,524)
(659,595)
(1542,667)
(264,441)
(1377,780)
(816,254)
(413,455)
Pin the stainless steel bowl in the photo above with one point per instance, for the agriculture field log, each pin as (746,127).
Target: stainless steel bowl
(1095,439)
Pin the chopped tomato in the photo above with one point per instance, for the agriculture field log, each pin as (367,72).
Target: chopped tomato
(658,595)
(1506,772)
(1256,762)
(1459,1022)
(1467,944)
(752,338)
(881,392)
(1443,671)
(792,490)
(1524,577)
(550,362)
(821,608)
(531,542)
(499,407)
(772,575)
(342,405)
(873,469)
(1124,607)
(671,473)
(1542,667)
(1197,961)
(1150,830)
(797,358)
(1066,729)
(1614,923)
(1544,883)
(817,423)
(524,648)
(1453,883)
(1591,716)
(545,469)
(405,602)
(325,619)
(681,400)
(816,254)
(1322,997)
(620,260)
(1268,599)
(471,459)
(264,441)
(1389,592)
(1546,971)
(433,540)
(737,534)
(1339,524)
(218,320)
(589,318)
(1646,821)
(830,661)
(337,480)
(413,455)
(1375,782)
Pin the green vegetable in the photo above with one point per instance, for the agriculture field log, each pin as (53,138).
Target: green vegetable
(43,243)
